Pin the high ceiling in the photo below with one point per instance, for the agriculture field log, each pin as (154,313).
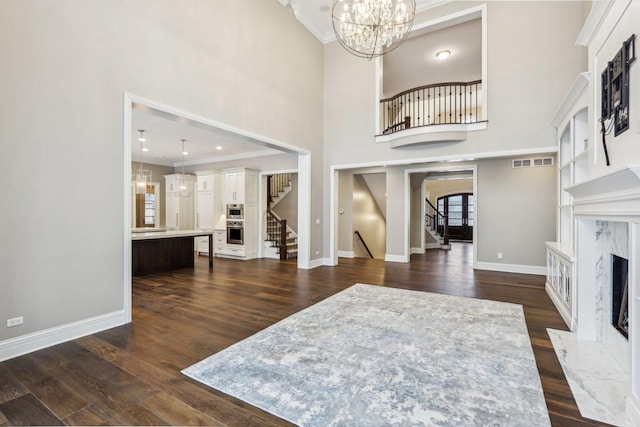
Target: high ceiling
(315,15)
(164,131)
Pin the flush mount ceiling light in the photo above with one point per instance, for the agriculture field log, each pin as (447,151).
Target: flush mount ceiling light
(142,177)
(443,54)
(371,28)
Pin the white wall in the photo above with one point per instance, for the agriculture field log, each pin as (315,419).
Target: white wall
(623,149)
(65,68)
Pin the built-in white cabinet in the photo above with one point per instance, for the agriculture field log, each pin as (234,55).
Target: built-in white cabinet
(208,205)
(240,187)
(179,205)
(573,157)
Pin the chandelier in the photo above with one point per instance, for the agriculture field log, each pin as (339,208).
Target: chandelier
(371,28)
(142,177)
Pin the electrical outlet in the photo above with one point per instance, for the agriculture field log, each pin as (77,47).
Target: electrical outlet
(499,255)
(14,322)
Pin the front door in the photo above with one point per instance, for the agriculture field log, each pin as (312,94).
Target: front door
(459,209)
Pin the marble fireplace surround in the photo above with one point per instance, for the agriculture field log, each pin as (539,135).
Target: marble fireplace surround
(607,221)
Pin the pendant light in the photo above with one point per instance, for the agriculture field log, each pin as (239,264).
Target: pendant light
(184,181)
(142,177)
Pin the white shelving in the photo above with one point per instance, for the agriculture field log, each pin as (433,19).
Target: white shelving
(573,160)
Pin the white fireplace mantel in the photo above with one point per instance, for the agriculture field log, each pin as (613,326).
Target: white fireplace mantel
(614,194)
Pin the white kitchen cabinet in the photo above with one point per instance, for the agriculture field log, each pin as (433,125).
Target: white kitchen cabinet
(179,209)
(208,205)
(241,187)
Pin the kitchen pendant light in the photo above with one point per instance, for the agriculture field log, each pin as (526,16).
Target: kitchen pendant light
(184,180)
(142,177)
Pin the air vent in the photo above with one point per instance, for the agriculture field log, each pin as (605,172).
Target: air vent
(527,163)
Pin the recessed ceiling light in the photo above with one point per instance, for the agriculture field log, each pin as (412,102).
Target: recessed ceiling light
(218,148)
(443,54)
(145,149)
(184,153)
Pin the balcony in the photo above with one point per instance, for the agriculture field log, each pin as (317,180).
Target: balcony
(438,112)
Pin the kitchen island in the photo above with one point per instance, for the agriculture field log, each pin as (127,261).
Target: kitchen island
(155,251)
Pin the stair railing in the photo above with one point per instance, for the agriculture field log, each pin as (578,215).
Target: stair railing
(437,221)
(434,104)
(276,227)
(275,186)
(357,233)
(277,233)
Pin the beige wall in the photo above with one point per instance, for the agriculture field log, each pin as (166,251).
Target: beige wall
(442,187)
(368,221)
(531,52)
(287,208)
(65,68)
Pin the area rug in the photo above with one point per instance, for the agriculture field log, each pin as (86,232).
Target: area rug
(374,356)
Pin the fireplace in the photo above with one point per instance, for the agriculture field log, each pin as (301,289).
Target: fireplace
(620,294)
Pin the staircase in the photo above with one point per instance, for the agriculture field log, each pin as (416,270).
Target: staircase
(281,241)
(437,225)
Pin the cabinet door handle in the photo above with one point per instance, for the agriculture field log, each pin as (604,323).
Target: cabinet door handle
(177,220)
(198,220)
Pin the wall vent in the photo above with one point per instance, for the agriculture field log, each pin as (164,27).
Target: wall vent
(528,163)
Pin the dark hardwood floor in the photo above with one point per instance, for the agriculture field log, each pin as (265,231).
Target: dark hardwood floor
(130,375)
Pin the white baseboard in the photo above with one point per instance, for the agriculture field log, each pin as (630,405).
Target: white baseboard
(396,258)
(432,245)
(319,263)
(512,268)
(346,254)
(416,251)
(18,346)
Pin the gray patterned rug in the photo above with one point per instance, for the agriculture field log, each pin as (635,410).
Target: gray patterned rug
(374,356)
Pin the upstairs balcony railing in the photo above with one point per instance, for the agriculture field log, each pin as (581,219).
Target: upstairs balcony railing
(435,104)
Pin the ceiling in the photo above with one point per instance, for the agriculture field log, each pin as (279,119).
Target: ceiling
(315,15)
(163,132)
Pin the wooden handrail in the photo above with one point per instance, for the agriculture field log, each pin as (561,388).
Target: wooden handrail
(436,216)
(357,233)
(431,86)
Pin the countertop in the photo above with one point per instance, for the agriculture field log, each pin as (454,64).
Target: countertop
(170,234)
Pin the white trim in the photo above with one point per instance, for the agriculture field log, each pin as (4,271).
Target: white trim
(432,246)
(24,344)
(333,215)
(455,132)
(416,251)
(396,258)
(512,268)
(304,210)
(451,158)
(592,24)
(578,86)
(240,156)
(126,232)
(317,263)
(346,254)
